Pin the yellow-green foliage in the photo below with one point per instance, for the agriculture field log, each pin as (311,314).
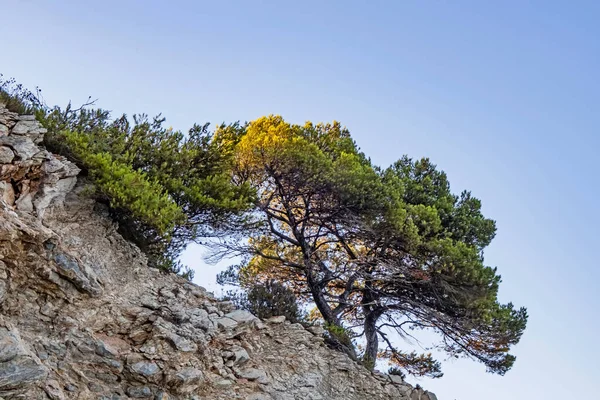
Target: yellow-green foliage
(340,334)
(126,187)
(165,188)
(372,245)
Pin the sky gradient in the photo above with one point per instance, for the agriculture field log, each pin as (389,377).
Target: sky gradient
(502,95)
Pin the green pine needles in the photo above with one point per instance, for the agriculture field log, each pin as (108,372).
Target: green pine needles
(165,188)
(372,251)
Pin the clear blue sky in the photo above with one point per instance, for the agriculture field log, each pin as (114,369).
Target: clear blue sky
(502,95)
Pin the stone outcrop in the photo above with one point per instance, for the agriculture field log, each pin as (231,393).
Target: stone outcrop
(83,317)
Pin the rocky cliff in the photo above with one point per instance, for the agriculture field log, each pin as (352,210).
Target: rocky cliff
(83,317)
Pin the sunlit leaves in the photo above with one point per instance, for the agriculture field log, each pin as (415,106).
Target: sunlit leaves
(367,245)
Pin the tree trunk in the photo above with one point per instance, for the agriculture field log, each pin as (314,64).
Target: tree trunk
(343,344)
(319,299)
(372,313)
(370,329)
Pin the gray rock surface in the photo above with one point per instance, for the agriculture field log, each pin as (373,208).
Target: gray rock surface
(6,155)
(83,317)
(19,370)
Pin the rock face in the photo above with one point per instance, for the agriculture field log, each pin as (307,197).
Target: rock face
(83,317)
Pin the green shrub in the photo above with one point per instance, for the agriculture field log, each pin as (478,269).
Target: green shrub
(396,371)
(339,338)
(18,99)
(164,188)
(268,300)
(273,299)
(339,334)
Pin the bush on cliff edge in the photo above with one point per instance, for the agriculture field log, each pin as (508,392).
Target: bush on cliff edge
(164,188)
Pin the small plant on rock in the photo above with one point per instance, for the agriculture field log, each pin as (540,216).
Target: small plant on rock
(268,300)
(397,371)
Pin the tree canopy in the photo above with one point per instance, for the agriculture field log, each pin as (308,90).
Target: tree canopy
(375,250)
